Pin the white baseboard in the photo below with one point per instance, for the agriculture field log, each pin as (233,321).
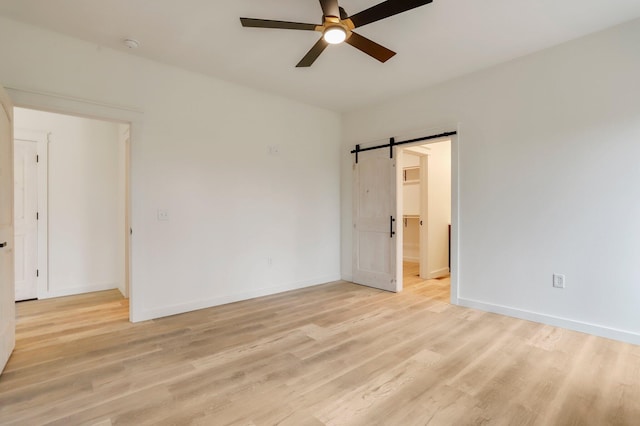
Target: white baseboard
(583,327)
(411,259)
(209,303)
(123,291)
(443,272)
(347,277)
(72,291)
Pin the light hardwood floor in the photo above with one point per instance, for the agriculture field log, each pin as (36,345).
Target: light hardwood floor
(332,354)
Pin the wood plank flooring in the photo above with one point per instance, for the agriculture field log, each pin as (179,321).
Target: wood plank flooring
(335,354)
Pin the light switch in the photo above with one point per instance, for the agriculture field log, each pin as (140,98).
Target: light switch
(273,150)
(163,214)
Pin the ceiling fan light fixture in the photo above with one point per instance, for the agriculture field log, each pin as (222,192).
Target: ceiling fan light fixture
(337,27)
(335,35)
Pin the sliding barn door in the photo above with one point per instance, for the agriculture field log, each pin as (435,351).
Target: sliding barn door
(7,304)
(374,220)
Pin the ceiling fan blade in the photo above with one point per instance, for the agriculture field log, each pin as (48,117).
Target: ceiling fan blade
(384,10)
(313,54)
(267,23)
(330,8)
(369,47)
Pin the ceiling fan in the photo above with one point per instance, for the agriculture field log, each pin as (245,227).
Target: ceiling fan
(337,27)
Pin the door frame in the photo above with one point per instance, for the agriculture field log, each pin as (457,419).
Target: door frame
(455,213)
(127,206)
(42,150)
(424,217)
(57,103)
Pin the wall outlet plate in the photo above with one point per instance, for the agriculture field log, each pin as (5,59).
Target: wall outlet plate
(558,280)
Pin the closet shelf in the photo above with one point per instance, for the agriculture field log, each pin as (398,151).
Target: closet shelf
(411,175)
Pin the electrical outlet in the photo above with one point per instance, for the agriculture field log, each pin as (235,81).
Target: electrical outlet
(558,280)
(270,261)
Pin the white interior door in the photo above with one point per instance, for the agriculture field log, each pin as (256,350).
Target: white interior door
(25,222)
(374,209)
(7,304)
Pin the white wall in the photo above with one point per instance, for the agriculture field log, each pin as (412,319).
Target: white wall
(548,167)
(82,197)
(438,215)
(201,154)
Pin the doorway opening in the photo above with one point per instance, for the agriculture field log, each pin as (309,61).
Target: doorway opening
(378,216)
(425,202)
(71,205)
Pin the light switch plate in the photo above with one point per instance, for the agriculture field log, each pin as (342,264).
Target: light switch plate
(163,214)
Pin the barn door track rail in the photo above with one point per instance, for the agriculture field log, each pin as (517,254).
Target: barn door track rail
(392,143)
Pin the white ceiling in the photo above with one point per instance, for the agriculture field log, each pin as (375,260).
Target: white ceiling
(434,43)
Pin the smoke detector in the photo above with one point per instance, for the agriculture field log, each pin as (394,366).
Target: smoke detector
(131,43)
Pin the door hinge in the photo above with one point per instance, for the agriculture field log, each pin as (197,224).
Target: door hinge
(37,272)
(37,158)
(37,216)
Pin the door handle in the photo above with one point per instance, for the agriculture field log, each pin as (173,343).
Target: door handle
(391,233)
(3,244)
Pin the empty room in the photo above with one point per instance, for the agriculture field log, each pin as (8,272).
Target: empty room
(323,212)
